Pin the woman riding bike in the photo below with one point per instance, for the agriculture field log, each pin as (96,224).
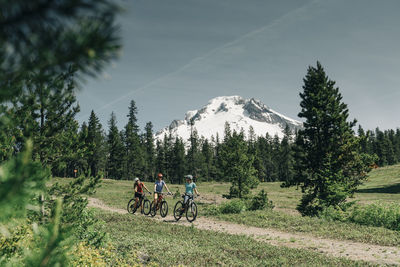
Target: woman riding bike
(190,186)
(188,205)
(138,187)
(158,187)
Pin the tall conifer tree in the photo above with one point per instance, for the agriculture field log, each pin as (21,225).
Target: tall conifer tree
(133,147)
(96,147)
(149,151)
(45,111)
(332,167)
(115,161)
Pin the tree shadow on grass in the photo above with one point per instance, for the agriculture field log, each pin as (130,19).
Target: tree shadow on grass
(390,189)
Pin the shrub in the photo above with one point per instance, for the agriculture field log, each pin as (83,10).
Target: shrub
(260,202)
(377,214)
(83,254)
(233,206)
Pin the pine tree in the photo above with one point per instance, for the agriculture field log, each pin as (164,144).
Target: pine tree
(45,112)
(168,156)
(178,166)
(81,163)
(332,166)
(397,144)
(286,162)
(238,166)
(149,151)
(96,147)
(381,147)
(115,161)
(134,150)
(208,170)
(259,158)
(160,156)
(276,158)
(363,140)
(194,158)
(268,159)
(218,159)
(391,135)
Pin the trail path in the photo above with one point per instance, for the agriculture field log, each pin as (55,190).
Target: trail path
(336,248)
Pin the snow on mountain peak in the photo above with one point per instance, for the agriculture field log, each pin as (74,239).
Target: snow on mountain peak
(240,113)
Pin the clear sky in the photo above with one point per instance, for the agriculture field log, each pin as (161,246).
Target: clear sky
(178,54)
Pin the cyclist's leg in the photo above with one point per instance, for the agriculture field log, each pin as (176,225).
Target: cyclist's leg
(185,200)
(155,198)
(159,201)
(136,199)
(142,201)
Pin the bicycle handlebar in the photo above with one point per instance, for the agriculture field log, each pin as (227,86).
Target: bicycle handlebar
(162,193)
(191,195)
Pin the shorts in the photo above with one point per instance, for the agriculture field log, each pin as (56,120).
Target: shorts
(139,195)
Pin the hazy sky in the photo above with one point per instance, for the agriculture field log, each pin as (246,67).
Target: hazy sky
(178,54)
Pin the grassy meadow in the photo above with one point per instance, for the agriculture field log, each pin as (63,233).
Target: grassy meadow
(174,245)
(178,242)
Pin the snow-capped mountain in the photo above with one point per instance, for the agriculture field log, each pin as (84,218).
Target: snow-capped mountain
(240,113)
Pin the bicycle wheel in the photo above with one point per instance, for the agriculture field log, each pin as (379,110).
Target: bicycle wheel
(131,206)
(178,210)
(191,212)
(153,209)
(146,207)
(164,209)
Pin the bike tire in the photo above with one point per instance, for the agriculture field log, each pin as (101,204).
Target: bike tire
(131,206)
(164,208)
(146,207)
(178,210)
(191,212)
(153,209)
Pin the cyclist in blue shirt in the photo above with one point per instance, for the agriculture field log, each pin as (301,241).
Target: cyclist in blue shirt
(158,187)
(189,188)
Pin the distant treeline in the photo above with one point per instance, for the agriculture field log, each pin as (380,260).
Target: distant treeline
(62,145)
(384,144)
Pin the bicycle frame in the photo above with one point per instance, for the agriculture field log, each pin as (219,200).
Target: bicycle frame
(160,198)
(141,200)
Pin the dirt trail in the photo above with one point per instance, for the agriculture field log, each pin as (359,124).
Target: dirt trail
(336,248)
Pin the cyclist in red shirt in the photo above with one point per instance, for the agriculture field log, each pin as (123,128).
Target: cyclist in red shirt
(138,187)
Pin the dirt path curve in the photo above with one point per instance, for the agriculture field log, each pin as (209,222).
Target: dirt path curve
(336,248)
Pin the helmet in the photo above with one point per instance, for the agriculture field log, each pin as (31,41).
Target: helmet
(190,177)
(160,175)
(136,179)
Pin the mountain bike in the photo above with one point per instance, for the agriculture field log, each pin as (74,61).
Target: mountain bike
(132,208)
(190,209)
(162,205)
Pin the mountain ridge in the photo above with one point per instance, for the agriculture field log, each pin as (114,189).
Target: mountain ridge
(239,112)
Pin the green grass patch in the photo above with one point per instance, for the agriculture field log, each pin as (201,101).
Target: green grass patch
(314,226)
(170,244)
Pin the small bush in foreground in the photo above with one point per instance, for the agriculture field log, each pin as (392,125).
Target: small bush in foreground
(85,255)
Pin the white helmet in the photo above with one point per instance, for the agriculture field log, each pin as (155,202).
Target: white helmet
(136,179)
